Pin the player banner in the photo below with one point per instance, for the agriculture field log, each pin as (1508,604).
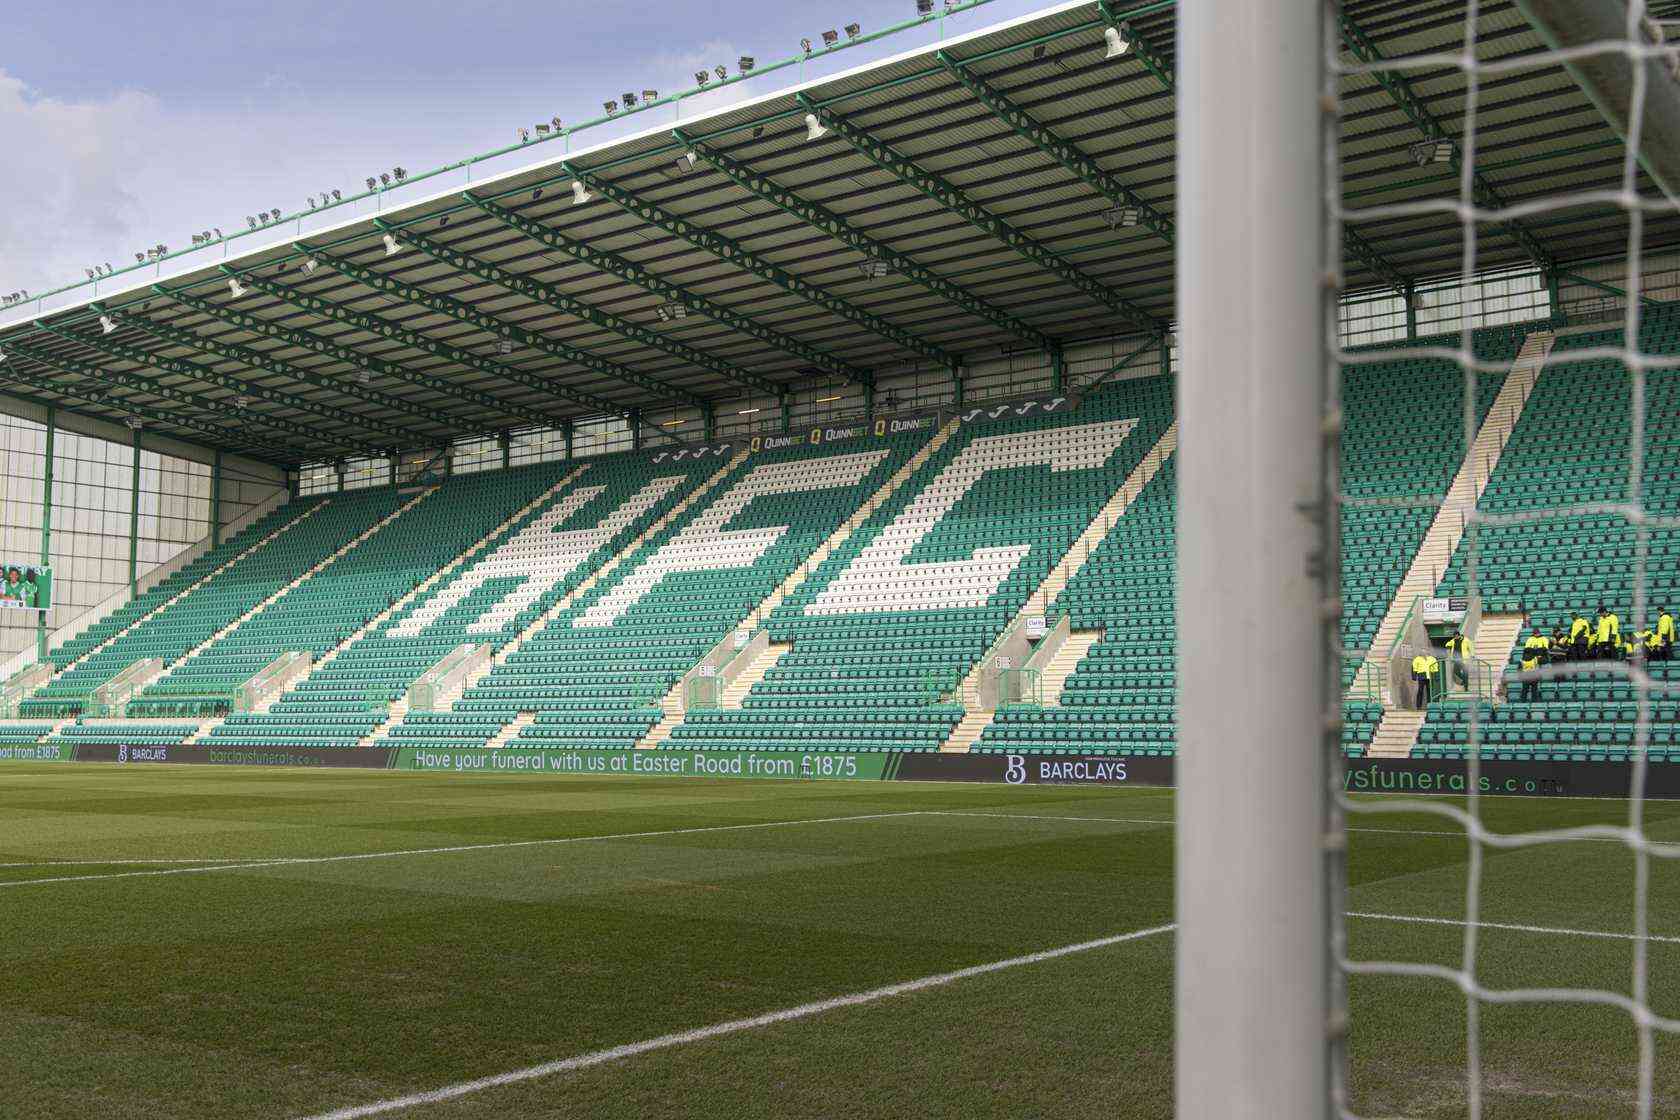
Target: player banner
(25,587)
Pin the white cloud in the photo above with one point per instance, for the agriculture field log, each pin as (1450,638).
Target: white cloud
(65,182)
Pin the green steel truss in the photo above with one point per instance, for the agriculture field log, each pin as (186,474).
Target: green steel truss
(1400,90)
(467,313)
(1068,155)
(102,379)
(728,249)
(538,292)
(372,324)
(826,220)
(385,329)
(634,273)
(956,200)
(181,368)
(265,364)
(303,341)
(1366,254)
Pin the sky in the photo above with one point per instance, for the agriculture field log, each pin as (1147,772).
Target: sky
(125,125)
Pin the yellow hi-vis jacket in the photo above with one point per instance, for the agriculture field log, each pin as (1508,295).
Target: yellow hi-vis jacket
(1577,628)
(1665,629)
(1461,645)
(1534,649)
(1609,630)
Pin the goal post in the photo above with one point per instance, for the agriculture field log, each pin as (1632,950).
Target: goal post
(1255,300)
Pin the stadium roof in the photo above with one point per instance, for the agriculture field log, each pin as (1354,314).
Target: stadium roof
(1009,188)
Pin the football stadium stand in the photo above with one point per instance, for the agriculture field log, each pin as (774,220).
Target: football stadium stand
(1000,579)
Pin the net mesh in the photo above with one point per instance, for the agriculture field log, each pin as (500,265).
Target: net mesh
(1475,208)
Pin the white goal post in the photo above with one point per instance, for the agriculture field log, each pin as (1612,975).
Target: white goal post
(1254,968)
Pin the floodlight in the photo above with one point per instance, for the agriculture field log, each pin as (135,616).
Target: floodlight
(504,347)
(814,128)
(135,423)
(610,106)
(197,240)
(805,45)
(721,71)
(312,202)
(337,197)
(629,99)
(1119,45)
(384,179)
(399,173)
(671,310)
(242,402)
(649,95)
(556,123)
(106,326)
(391,246)
(524,136)
(310,264)
(1122,216)
(543,130)
(875,268)
(250,221)
(579,195)
(758,131)
(235,287)
(536,194)
(372,182)
(443,221)
(363,377)
(89,272)
(219,228)
(745,63)
(1432,151)
(924,7)
(830,38)
(701,77)
(139,258)
(276,213)
(853,30)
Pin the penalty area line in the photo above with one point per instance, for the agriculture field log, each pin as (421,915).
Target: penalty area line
(732,1026)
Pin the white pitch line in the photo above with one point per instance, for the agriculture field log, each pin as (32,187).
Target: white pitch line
(732,1026)
(1459,923)
(1159,820)
(297,860)
(139,862)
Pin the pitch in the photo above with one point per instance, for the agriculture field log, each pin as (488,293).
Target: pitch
(310,944)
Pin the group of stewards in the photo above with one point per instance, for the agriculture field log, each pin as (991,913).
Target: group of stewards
(1598,640)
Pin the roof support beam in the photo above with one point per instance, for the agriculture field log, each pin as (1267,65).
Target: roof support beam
(1400,90)
(467,313)
(732,251)
(377,326)
(264,364)
(821,218)
(1141,48)
(538,292)
(103,379)
(327,348)
(1076,162)
(252,324)
(180,368)
(634,273)
(956,200)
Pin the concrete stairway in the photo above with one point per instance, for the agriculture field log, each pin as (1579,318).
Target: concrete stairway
(1055,675)
(204,728)
(57,726)
(449,570)
(1436,551)
(507,734)
(399,709)
(737,689)
(1397,733)
(286,590)
(1496,637)
(672,702)
(976,719)
(618,558)
(172,600)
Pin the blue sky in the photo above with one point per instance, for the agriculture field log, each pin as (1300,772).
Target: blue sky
(129,124)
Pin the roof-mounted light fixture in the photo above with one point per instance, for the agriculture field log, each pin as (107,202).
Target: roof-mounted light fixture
(235,287)
(392,248)
(579,194)
(814,129)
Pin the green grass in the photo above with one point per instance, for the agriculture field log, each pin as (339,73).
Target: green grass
(292,989)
